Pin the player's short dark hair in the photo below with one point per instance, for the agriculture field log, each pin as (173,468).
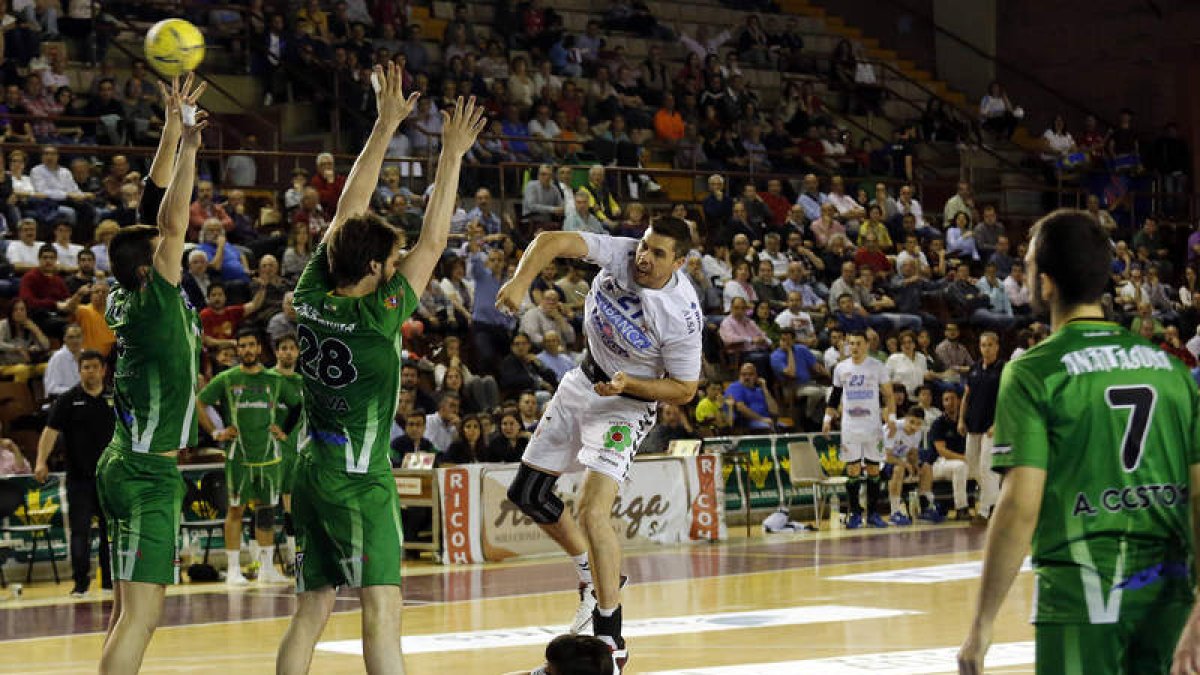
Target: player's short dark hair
(843,295)
(87,252)
(47,248)
(131,249)
(579,655)
(924,387)
(677,231)
(915,411)
(287,337)
(415,413)
(856,333)
(356,244)
(1073,250)
(217,285)
(90,355)
(246,332)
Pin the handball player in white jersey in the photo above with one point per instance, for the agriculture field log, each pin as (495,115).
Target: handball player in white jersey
(643,326)
(857,383)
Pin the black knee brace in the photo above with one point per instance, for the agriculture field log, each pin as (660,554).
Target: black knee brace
(264,517)
(532,491)
(288,528)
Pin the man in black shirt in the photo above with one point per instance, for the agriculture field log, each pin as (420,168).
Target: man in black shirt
(946,453)
(83,418)
(977,417)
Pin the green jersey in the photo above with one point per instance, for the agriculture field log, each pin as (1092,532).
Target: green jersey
(350,359)
(251,403)
(1113,421)
(291,445)
(158,358)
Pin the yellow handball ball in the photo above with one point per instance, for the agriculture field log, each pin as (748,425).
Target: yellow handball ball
(174,47)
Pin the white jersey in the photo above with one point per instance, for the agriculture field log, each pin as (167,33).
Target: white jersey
(860,383)
(640,331)
(902,446)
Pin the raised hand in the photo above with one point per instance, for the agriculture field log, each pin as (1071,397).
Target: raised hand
(176,97)
(508,298)
(616,387)
(461,127)
(393,107)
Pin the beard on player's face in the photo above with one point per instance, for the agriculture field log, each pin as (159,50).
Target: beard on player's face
(249,357)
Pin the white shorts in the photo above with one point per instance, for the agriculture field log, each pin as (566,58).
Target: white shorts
(581,428)
(859,449)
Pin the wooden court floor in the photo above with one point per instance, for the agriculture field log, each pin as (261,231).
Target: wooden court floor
(883,602)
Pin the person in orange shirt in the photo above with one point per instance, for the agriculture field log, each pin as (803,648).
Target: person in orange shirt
(668,123)
(96,333)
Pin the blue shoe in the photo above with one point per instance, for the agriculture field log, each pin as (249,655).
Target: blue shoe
(854,521)
(900,519)
(931,515)
(874,520)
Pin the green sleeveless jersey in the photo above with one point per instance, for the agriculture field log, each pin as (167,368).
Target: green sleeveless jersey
(299,435)
(158,358)
(1114,422)
(350,360)
(251,402)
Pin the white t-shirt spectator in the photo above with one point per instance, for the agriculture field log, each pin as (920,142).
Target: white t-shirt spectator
(68,256)
(62,372)
(18,254)
(1018,294)
(906,371)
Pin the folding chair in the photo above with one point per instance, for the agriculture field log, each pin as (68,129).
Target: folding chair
(210,493)
(35,533)
(806,471)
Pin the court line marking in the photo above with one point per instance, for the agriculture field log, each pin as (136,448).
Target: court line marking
(669,625)
(909,662)
(184,590)
(933,574)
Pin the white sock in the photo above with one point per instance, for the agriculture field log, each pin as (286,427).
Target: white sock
(233,562)
(607,612)
(895,504)
(582,568)
(291,547)
(266,556)
(930,498)
(253,549)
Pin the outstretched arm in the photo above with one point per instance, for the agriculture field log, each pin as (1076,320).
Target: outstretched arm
(459,131)
(360,184)
(163,166)
(545,248)
(173,215)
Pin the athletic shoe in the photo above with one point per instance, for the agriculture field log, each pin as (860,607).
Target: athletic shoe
(931,514)
(620,657)
(608,629)
(854,521)
(269,575)
(236,579)
(962,514)
(79,592)
(900,519)
(582,623)
(874,520)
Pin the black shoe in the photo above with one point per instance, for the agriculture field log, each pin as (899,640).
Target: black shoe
(79,591)
(608,628)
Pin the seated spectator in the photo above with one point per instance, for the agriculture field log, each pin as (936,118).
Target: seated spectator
(97,336)
(271,287)
(603,203)
(997,113)
(219,322)
(672,425)
(68,253)
(826,226)
(714,411)
(636,222)
(909,205)
(1104,217)
(796,369)
(284,322)
(542,201)
(62,371)
(581,218)
(547,316)
(206,208)
(554,356)
(796,320)
(224,259)
(196,279)
(909,367)
(484,212)
(850,316)
(952,354)
(871,257)
(963,201)
(59,186)
(754,407)
(767,288)
(441,426)
(1017,289)
(23,252)
(668,122)
(327,182)
(773,254)
(1174,345)
(46,294)
(874,225)
(1145,324)
(988,232)
(989,284)
(22,345)
(960,238)
(469,445)
(85,273)
(739,287)
(109,129)
(413,439)
(947,452)
(742,336)
(12,459)
(521,371)
(509,444)
(848,210)
(718,205)
(1001,258)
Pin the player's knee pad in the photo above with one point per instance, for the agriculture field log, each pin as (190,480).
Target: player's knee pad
(264,517)
(532,491)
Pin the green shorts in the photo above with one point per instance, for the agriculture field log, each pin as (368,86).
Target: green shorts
(253,483)
(1128,647)
(348,530)
(287,472)
(141,495)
